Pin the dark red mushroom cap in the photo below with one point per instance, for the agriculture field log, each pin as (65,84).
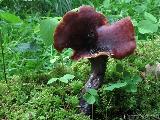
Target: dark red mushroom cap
(77,30)
(89,35)
(118,40)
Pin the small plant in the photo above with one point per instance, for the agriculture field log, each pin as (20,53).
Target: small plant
(129,84)
(47,28)
(8,19)
(149,24)
(64,79)
(91,96)
(3,57)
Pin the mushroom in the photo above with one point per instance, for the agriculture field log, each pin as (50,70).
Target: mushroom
(90,36)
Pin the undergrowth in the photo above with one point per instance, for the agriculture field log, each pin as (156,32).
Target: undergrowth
(30,97)
(26,38)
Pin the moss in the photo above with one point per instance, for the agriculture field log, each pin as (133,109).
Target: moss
(29,96)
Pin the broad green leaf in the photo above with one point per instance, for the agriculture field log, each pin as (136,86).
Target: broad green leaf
(89,98)
(66,78)
(93,92)
(150,17)
(131,88)
(52,80)
(10,17)
(132,83)
(140,8)
(134,80)
(106,3)
(47,28)
(114,86)
(147,26)
(63,80)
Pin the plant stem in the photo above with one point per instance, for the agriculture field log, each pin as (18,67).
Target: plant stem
(51,50)
(92,111)
(3,60)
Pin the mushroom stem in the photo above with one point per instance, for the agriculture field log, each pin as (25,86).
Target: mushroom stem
(98,67)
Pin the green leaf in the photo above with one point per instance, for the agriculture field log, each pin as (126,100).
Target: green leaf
(63,80)
(10,17)
(146,26)
(26,47)
(106,3)
(66,77)
(119,68)
(47,28)
(140,8)
(127,1)
(54,59)
(133,80)
(131,88)
(126,74)
(159,22)
(136,79)
(134,22)
(52,80)
(114,86)
(37,28)
(132,83)
(93,92)
(150,17)
(0,35)
(41,118)
(90,2)
(89,98)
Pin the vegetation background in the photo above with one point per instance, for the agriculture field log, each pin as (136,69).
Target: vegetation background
(37,83)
